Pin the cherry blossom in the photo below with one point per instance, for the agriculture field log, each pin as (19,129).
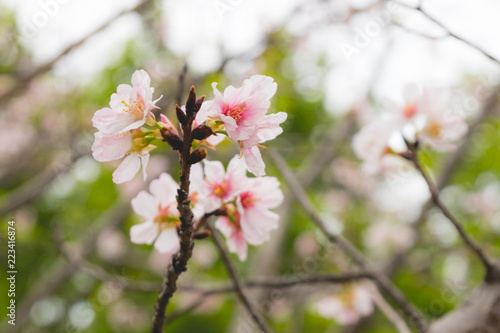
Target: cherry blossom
(428,117)
(247,203)
(348,307)
(159,208)
(133,144)
(219,186)
(373,145)
(130,107)
(241,113)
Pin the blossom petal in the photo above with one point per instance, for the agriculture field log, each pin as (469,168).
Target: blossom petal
(253,160)
(167,241)
(164,189)
(144,233)
(145,205)
(127,169)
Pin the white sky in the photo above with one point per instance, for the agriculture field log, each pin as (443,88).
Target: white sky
(205,31)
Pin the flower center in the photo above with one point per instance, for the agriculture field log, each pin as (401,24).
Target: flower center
(247,200)
(409,111)
(235,112)
(135,108)
(220,189)
(165,218)
(434,130)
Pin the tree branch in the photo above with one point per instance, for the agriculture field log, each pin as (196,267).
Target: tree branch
(388,311)
(238,284)
(179,261)
(382,281)
(492,270)
(448,31)
(23,82)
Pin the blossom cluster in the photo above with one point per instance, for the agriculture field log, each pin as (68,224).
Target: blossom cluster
(425,118)
(242,204)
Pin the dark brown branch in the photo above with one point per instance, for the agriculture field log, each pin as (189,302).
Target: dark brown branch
(23,82)
(415,316)
(238,284)
(492,270)
(179,261)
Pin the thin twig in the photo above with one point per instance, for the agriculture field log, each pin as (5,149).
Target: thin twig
(383,282)
(388,311)
(492,270)
(238,284)
(23,82)
(448,31)
(448,169)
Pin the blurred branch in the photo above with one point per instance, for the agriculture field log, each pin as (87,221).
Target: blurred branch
(492,270)
(279,282)
(448,170)
(388,311)
(383,282)
(447,30)
(325,151)
(23,82)
(238,284)
(31,188)
(55,277)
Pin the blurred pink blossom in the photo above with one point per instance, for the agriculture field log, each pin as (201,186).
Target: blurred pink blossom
(348,307)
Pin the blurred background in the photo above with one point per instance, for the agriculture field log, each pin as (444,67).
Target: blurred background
(335,63)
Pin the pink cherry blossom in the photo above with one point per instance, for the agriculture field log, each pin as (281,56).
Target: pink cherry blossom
(439,127)
(242,111)
(219,186)
(130,107)
(428,117)
(348,307)
(242,108)
(159,208)
(373,145)
(132,144)
(254,203)
(246,201)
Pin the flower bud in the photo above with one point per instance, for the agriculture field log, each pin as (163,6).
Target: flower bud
(191,103)
(197,156)
(181,115)
(173,139)
(202,132)
(202,234)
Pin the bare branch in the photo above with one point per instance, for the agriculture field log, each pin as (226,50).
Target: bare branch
(60,273)
(238,285)
(448,31)
(389,312)
(23,82)
(383,282)
(30,189)
(492,270)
